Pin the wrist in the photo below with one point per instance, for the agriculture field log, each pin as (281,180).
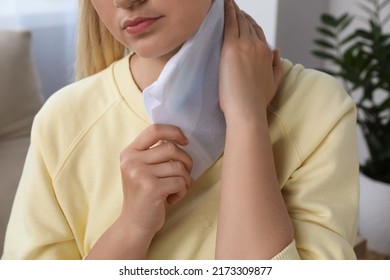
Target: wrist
(120,243)
(133,235)
(245,118)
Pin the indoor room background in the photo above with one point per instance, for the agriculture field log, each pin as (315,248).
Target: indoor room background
(289,25)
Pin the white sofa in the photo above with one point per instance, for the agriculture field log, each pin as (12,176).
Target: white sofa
(20,99)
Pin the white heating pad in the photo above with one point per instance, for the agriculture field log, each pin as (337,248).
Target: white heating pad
(186,92)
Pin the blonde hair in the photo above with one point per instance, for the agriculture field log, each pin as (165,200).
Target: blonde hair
(96,47)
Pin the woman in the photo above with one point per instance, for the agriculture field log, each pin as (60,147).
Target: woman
(285,187)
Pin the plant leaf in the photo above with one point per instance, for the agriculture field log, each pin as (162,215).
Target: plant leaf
(345,21)
(364,34)
(324,43)
(326,32)
(324,55)
(329,19)
(348,39)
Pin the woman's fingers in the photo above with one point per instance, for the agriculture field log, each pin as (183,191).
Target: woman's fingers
(157,132)
(243,28)
(259,31)
(278,67)
(173,189)
(235,23)
(172,168)
(238,23)
(249,70)
(157,144)
(167,151)
(151,153)
(232,28)
(155,170)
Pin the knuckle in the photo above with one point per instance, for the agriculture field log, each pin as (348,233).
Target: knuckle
(147,187)
(241,48)
(265,52)
(230,51)
(188,181)
(154,129)
(136,173)
(190,163)
(171,147)
(181,183)
(179,165)
(264,48)
(124,162)
(132,170)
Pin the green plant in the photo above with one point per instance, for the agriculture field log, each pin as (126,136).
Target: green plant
(361,58)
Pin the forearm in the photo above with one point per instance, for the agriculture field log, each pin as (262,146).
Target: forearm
(254,222)
(117,243)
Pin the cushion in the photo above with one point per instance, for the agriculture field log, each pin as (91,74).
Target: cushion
(20,99)
(12,155)
(20,95)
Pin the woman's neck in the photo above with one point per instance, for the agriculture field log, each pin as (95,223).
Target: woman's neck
(145,71)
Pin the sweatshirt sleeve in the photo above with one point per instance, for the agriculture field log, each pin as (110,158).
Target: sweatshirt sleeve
(37,228)
(321,191)
(288,253)
(322,195)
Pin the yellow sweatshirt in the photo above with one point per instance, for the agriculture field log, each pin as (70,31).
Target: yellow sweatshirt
(71,192)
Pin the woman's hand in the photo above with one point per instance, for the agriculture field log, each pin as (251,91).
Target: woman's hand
(155,171)
(250,196)
(250,72)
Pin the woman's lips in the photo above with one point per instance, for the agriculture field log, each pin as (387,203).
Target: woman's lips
(139,24)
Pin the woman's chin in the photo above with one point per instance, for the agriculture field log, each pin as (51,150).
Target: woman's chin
(155,52)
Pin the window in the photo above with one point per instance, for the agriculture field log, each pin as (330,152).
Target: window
(12,7)
(29,14)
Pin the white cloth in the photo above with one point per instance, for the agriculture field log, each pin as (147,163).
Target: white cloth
(186,92)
